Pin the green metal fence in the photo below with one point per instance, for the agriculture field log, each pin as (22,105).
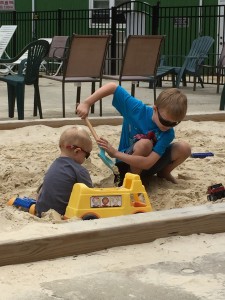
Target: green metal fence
(180,25)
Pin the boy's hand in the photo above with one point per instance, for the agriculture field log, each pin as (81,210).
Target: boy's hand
(82,110)
(104,144)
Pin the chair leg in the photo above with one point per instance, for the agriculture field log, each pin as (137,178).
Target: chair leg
(63,99)
(78,95)
(222,99)
(11,99)
(201,81)
(35,104)
(194,86)
(174,80)
(133,88)
(20,88)
(181,75)
(35,107)
(184,80)
(92,91)
(100,101)
(154,90)
(37,101)
(159,82)
(218,84)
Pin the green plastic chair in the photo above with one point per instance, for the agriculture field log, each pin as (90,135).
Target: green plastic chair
(28,74)
(193,61)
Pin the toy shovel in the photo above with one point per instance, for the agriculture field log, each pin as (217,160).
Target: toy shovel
(107,161)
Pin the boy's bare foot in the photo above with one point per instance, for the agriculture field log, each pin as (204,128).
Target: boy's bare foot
(168,177)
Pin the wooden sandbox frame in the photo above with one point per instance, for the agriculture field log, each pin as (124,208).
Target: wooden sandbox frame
(111,232)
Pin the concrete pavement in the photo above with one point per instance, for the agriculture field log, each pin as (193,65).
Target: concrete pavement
(203,100)
(197,272)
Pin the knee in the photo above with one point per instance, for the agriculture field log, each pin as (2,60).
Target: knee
(143,147)
(184,149)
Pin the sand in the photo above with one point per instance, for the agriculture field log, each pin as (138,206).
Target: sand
(27,152)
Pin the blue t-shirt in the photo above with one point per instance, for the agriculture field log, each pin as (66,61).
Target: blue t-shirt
(137,119)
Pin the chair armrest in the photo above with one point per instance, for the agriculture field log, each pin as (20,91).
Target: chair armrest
(22,67)
(13,59)
(164,59)
(221,61)
(199,60)
(54,54)
(198,56)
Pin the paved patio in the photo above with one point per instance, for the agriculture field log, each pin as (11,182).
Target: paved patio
(201,275)
(203,100)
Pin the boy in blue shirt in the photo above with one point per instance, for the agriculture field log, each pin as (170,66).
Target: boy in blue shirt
(145,146)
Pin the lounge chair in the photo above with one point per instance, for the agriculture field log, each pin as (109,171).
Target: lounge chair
(6,34)
(54,60)
(193,61)
(218,69)
(84,62)
(140,61)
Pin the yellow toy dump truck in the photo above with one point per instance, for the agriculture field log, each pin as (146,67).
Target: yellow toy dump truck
(94,203)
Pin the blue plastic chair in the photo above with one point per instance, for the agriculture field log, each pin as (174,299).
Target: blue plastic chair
(193,61)
(28,74)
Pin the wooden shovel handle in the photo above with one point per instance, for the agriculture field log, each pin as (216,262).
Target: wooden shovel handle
(91,129)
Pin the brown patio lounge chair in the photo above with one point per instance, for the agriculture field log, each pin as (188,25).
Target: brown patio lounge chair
(218,69)
(84,62)
(140,61)
(54,60)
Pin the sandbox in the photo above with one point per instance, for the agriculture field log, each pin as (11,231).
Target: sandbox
(27,149)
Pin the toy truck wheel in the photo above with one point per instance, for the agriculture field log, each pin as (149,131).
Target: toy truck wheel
(211,197)
(32,209)
(214,198)
(89,217)
(11,201)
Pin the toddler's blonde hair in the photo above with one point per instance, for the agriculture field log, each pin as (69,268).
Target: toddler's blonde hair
(76,135)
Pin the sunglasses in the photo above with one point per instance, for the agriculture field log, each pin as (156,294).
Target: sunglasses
(166,122)
(87,154)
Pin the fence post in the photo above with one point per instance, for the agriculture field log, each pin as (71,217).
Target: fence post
(113,41)
(155,18)
(59,25)
(14,50)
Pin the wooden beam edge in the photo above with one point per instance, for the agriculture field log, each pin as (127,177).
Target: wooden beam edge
(115,120)
(59,122)
(114,232)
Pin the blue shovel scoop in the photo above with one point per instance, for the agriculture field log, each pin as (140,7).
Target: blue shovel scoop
(107,161)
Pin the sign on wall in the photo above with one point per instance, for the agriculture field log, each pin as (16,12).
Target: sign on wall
(181,22)
(7,5)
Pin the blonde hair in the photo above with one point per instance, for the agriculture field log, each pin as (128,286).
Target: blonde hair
(78,136)
(174,102)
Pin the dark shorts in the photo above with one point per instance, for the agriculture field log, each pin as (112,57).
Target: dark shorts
(164,160)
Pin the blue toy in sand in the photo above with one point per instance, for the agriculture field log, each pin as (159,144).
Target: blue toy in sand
(25,204)
(201,154)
